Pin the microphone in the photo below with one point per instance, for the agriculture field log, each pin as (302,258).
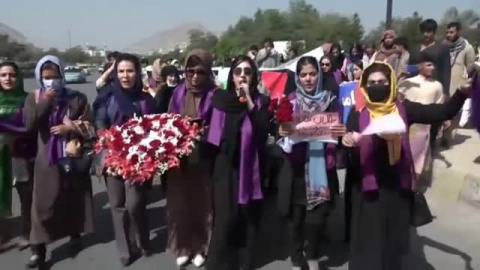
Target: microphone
(242,95)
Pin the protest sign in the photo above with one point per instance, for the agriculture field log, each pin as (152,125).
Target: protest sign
(314,127)
(347,99)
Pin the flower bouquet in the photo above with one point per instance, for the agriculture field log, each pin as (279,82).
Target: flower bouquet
(147,146)
(282,109)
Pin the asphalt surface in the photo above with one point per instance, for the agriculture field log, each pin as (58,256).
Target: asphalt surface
(452,242)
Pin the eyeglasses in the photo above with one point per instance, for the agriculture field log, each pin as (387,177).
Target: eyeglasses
(325,64)
(247,71)
(199,72)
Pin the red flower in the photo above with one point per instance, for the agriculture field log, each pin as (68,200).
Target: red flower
(134,158)
(169,134)
(273,105)
(155,143)
(169,147)
(134,170)
(284,110)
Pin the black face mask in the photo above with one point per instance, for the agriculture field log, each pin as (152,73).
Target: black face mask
(378,92)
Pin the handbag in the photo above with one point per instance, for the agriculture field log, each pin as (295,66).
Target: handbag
(421,214)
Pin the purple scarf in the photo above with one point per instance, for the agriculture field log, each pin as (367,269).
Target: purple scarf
(476,102)
(56,144)
(337,74)
(204,108)
(404,167)
(26,145)
(249,188)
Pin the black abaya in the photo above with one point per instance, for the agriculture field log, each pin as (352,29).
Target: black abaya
(235,225)
(380,220)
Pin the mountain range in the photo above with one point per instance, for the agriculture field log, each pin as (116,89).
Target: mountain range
(166,40)
(13,35)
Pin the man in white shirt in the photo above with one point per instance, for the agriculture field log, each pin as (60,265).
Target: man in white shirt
(424,89)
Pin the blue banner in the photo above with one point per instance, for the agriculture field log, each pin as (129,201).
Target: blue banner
(347,99)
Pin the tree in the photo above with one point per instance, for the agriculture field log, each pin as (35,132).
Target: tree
(202,40)
(75,55)
(52,51)
(407,27)
(468,18)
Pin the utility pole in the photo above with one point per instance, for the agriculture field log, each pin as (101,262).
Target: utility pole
(388,21)
(69,38)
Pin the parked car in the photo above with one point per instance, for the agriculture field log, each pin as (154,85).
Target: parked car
(86,70)
(75,75)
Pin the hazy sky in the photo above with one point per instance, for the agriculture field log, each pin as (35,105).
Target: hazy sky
(119,23)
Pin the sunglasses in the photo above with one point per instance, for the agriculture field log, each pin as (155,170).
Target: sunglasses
(325,64)
(247,71)
(193,72)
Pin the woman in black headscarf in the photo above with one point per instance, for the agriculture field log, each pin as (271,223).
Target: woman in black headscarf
(338,56)
(239,129)
(115,105)
(356,54)
(170,79)
(331,77)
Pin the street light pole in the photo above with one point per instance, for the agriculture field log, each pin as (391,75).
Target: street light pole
(388,21)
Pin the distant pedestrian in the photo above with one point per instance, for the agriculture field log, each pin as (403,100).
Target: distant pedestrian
(267,57)
(462,57)
(253,52)
(369,51)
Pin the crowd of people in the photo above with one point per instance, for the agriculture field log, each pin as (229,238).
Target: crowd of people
(215,197)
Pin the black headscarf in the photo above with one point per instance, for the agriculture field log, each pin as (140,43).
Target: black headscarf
(359,55)
(337,61)
(228,100)
(168,71)
(329,82)
(164,95)
(236,111)
(124,97)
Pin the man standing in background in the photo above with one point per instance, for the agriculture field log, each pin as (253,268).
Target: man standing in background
(267,57)
(440,57)
(439,53)
(462,56)
(252,53)
(401,45)
(423,89)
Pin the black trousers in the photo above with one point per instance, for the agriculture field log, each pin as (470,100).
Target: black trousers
(232,234)
(307,228)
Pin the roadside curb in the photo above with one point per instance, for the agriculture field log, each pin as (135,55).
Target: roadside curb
(456,171)
(455,186)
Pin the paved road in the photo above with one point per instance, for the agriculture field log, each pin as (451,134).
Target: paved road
(452,242)
(87,88)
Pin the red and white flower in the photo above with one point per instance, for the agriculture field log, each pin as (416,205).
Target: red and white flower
(146,146)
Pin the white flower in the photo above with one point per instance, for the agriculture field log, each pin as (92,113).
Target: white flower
(138,130)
